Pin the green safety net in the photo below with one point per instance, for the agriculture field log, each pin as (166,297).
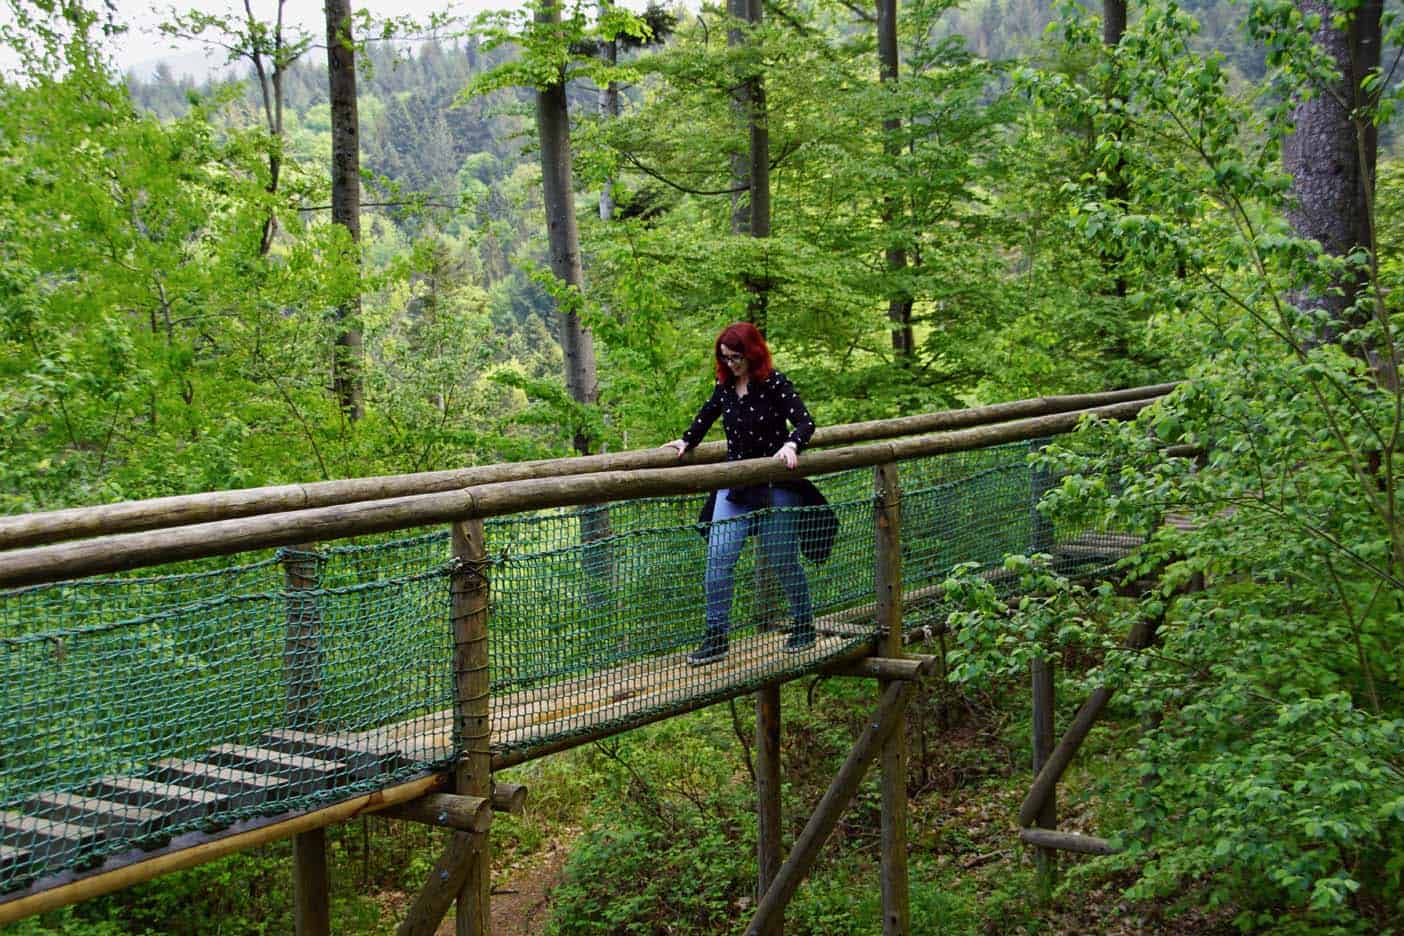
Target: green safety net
(144,711)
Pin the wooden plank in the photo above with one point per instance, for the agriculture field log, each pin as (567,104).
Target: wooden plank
(242,786)
(21,824)
(138,790)
(267,760)
(102,813)
(10,857)
(351,749)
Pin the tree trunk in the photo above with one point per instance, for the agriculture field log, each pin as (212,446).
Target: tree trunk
(1113,21)
(1332,157)
(609,109)
(899,305)
(346,198)
(740,11)
(577,344)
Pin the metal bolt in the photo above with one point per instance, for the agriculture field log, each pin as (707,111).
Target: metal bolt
(443,875)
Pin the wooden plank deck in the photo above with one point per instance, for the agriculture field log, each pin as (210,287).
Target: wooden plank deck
(118,820)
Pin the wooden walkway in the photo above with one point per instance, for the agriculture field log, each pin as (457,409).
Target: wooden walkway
(231,781)
(229,789)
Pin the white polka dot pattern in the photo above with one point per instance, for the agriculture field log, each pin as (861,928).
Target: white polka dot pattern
(755,424)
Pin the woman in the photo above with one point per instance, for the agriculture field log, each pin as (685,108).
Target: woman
(754,401)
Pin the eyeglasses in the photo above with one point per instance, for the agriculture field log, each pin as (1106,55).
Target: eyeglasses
(731,358)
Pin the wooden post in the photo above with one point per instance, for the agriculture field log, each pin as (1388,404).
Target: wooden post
(302,643)
(831,806)
(311,884)
(472,717)
(1040,480)
(302,679)
(896,911)
(463,871)
(1043,701)
(768,853)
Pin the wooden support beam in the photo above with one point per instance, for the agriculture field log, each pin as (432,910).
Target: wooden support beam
(1141,635)
(769,852)
(311,884)
(831,806)
(462,872)
(881,667)
(1067,841)
(896,909)
(447,811)
(509,798)
(1041,676)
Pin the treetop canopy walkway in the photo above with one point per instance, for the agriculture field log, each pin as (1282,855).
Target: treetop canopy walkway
(153,719)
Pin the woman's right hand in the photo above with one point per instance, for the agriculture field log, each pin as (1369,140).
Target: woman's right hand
(678,445)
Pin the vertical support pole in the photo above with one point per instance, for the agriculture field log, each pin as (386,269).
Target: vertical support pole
(1045,859)
(896,910)
(302,679)
(1040,480)
(471,714)
(311,884)
(768,857)
(302,642)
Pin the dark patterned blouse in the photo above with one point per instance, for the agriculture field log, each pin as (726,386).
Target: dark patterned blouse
(754,424)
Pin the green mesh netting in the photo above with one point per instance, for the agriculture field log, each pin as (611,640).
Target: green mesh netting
(138,709)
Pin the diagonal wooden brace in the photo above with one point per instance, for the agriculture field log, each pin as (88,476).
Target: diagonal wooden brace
(831,806)
(1141,636)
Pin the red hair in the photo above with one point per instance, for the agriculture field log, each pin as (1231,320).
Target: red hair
(747,338)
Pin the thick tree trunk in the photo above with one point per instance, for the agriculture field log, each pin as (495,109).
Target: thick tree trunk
(750,168)
(1113,21)
(577,344)
(899,306)
(1332,157)
(740,11)
(346,197)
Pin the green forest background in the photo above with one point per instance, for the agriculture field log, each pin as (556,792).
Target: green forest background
(1073,215)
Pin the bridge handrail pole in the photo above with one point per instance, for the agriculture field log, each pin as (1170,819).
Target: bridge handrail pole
(463,872)
(472,727)
(224,537)
(887,522)
(302,677)
(55,526)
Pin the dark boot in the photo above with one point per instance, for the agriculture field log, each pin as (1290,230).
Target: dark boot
(801,637)
(712,649)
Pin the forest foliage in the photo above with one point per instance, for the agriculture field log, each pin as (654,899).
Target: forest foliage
(1076,218)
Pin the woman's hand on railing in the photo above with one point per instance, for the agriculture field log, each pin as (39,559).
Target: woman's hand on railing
(677,445)
(788,455)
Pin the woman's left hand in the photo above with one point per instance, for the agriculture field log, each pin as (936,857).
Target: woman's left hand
(787,455)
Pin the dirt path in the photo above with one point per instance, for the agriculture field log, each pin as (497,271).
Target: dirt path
(521,900)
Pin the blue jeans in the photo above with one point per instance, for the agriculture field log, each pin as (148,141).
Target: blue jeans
(778,538)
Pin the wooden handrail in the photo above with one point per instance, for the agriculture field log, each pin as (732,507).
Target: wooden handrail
(225,537)
(55,526)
